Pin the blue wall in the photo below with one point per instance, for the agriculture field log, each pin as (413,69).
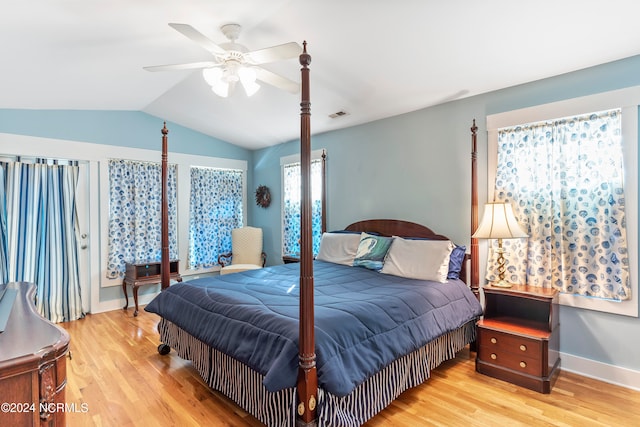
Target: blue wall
(117,128)
(126,128)
(416,167)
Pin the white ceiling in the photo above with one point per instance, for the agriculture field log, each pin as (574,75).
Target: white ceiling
(370,58)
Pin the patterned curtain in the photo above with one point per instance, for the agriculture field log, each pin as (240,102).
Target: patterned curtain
(41,235)
(292,207)
(215,209)
(565,181)
(135,202)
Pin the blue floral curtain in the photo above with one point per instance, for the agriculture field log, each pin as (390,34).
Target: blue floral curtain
(215,209)
(565,180)
(292,207)
(135,202)
(39,225)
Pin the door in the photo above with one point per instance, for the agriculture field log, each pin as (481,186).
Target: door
(83,235)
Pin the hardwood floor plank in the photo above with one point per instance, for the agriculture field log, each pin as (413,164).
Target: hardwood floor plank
(117,372)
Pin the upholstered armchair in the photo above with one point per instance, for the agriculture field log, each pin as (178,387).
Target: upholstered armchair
(246,251)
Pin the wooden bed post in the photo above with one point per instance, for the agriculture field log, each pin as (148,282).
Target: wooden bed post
(307,383)
(475,259)
(165,274)
(324,191)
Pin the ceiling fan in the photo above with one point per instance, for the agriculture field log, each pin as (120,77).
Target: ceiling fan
(233,62)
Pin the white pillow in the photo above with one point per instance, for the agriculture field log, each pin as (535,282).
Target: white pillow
(339,248)
(419,259)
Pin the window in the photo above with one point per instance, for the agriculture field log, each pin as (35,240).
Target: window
(565,180)
(573,184)
(291,203)
(135,198)
(215,208)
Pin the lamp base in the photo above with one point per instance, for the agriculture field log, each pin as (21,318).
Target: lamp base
(501,284)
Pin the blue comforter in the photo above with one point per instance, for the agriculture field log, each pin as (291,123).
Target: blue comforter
(363,319)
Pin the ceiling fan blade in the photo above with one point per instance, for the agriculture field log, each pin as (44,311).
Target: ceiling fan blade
(277,80)
(189,66)
(274,53)
(195,35)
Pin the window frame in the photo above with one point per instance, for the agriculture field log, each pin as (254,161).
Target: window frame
(294,158)
(184,163)
(628,100)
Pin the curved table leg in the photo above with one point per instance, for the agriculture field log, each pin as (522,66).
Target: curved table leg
(126,297)
(135,299)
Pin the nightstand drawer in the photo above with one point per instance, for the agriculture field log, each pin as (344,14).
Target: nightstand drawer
(511,343)
(510,351)
(515,362)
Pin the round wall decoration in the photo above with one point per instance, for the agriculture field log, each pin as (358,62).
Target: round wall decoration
(263,196)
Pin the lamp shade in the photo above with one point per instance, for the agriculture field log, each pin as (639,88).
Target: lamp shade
(499,222)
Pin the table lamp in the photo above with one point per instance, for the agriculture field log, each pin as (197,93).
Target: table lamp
(499,222)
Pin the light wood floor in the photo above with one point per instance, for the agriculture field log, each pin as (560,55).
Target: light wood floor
(116,370)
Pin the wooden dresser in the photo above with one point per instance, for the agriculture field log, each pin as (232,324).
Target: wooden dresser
(33,370)
(519,336)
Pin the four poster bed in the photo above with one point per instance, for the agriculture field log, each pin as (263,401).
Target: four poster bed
(323,342)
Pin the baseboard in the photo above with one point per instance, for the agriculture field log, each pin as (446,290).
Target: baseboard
(601,371)
(117,304)
(143,299)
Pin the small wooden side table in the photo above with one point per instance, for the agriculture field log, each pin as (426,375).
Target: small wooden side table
(519,336)
(146,273)
(288,259)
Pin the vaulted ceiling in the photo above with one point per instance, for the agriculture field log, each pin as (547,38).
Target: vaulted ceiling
(370,58)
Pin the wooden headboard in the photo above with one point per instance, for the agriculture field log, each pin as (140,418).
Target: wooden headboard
(400,228)
(395,227)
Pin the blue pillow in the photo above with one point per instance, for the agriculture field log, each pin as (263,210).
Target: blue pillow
(455,262)
(371,251)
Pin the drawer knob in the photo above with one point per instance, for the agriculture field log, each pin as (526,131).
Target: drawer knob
(523,364)
(494,356)
(523,347)
(493,340)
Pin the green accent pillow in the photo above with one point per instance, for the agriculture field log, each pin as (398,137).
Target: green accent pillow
(371,251)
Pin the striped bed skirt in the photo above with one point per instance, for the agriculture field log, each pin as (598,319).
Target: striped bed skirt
(244,386)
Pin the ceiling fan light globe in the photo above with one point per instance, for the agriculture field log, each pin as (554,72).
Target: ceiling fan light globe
(251,88)
(212,76)
(248,79)
(247,74)
(221,89)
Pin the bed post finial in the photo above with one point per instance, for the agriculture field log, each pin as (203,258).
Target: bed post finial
(305,58)
(307,381)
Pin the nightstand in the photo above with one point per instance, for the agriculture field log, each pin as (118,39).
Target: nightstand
(519,336)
